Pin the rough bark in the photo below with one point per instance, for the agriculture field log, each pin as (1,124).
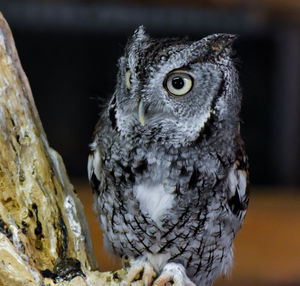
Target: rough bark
(44,238)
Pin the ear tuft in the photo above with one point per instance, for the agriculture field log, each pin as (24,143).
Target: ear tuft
(140,34)
(220,44)
(135,45)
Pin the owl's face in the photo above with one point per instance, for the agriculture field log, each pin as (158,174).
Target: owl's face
(169,89)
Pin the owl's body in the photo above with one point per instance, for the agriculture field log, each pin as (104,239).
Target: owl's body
(168,166)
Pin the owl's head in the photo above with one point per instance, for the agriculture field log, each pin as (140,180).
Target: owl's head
(176,90)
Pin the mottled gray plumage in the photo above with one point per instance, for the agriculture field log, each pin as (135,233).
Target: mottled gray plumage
(168,167)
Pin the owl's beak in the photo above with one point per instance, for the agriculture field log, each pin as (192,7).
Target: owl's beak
(141,112)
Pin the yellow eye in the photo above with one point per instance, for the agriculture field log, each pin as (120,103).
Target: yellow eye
(178,83)
(128,79)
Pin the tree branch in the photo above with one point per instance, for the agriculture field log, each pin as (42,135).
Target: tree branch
(44,236)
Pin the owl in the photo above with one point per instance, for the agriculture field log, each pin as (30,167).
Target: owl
(167,166)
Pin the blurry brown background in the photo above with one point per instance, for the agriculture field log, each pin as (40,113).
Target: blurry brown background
(69,50)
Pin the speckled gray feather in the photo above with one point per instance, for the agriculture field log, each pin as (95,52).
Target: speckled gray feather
(175,188)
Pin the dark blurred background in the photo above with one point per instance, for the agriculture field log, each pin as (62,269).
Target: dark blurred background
(69,51)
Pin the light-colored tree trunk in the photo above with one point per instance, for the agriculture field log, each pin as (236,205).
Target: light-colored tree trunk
(44,238)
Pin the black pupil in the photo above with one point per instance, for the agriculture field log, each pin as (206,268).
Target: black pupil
(178,82)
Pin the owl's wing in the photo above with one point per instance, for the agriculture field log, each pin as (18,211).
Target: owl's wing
(94,168)
(238,181)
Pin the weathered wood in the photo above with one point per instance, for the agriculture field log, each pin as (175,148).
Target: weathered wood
(44,236)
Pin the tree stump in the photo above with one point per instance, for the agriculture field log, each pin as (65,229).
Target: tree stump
(44,238)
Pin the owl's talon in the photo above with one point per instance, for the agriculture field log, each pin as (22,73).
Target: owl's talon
(173,274)
(139,270)
(149,274)
(125,261)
